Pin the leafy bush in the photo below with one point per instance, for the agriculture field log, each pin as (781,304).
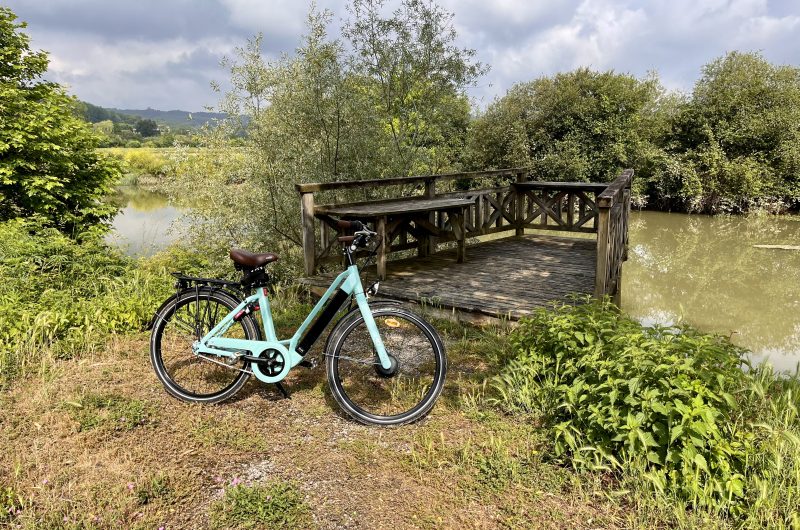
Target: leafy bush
(48,162)
(576,126)
(61,296)
(736,143)
(671,406)
(142,162)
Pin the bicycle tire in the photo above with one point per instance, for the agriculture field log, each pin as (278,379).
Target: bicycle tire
(169,314)
(345,371)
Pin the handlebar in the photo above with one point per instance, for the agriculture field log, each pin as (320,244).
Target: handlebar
(361,236)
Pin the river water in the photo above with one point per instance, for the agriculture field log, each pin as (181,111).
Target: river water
(144,223)
(707,272)
(704,271)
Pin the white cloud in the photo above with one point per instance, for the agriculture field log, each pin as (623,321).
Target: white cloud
(130,55)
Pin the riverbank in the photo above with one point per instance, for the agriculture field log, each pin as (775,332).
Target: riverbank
(91,440)
(98,443)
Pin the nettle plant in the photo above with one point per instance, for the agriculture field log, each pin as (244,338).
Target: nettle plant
(622,397)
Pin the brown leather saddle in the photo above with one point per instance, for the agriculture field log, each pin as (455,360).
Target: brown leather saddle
(249,260)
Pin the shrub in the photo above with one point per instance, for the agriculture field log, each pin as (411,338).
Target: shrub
(59,296)
(672,406)
(49,165)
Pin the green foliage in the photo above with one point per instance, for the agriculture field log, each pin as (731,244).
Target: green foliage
(734,145)
(11,503)
(61,296)
(376,107)
(111,411)
(274,505)
(736,142)
(575,126)
(154,488)
(142,166)
(672,407)
(147,128)
(48,163)
(416,75)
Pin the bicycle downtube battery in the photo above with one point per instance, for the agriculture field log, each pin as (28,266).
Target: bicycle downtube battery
(323,319)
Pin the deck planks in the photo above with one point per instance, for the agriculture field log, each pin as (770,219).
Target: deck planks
(504,278)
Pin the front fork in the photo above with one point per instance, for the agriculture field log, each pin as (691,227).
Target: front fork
(369,320)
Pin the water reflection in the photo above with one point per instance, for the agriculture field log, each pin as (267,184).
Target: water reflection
(144,223)
(705,271)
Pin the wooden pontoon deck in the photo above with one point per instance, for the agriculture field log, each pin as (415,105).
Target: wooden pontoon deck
(503,278)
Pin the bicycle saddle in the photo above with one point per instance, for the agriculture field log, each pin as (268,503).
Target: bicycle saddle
(251,260)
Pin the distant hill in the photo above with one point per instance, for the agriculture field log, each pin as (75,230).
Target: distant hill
(175,118)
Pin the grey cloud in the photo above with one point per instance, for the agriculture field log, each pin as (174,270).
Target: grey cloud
(165,53)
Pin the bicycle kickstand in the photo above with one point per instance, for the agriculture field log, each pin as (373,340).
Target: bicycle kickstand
(283,391)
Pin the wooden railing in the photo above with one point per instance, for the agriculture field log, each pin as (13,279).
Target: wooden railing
(512,201)
(614,205)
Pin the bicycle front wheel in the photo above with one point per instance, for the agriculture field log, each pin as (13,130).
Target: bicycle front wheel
(404,393)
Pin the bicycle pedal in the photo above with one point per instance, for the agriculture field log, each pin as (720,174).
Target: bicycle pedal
(308,363)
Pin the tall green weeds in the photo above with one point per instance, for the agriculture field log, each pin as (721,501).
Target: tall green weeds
(59,296)
(677,411)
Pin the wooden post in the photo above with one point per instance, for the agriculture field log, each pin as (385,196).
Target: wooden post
(324,235)
(480,213)
(307,219)
(459,230)
(601,270)
(430,193)
(617,298)
(383,250)
(626,198)
(571,210)
(519,198)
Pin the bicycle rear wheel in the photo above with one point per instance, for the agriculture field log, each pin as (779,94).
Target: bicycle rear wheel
(195,377)
(372,395)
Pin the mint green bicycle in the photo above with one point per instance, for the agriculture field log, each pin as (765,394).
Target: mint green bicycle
(385,364)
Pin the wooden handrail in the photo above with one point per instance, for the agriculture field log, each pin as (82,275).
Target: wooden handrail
(396,181)
(610,195)
(614,205)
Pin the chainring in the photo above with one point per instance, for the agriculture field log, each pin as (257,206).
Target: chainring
(271,362)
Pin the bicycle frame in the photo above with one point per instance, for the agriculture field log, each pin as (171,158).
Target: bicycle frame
(212,343)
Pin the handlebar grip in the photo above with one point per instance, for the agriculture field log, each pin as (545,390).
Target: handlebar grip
(346,225)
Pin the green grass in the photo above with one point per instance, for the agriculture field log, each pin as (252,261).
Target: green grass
(229,434)
(273,505)
(154,488)
(110,411)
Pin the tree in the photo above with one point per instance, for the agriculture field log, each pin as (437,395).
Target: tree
(322,114)
(147,128)
(48,163)
(736,142)
(417,78)
(575,126)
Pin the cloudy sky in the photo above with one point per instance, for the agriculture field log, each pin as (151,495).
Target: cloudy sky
(164,53)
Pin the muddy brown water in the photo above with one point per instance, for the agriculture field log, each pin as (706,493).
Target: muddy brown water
(708,272)
(704,271)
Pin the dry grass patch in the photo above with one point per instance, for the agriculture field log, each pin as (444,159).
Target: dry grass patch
(131,456)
